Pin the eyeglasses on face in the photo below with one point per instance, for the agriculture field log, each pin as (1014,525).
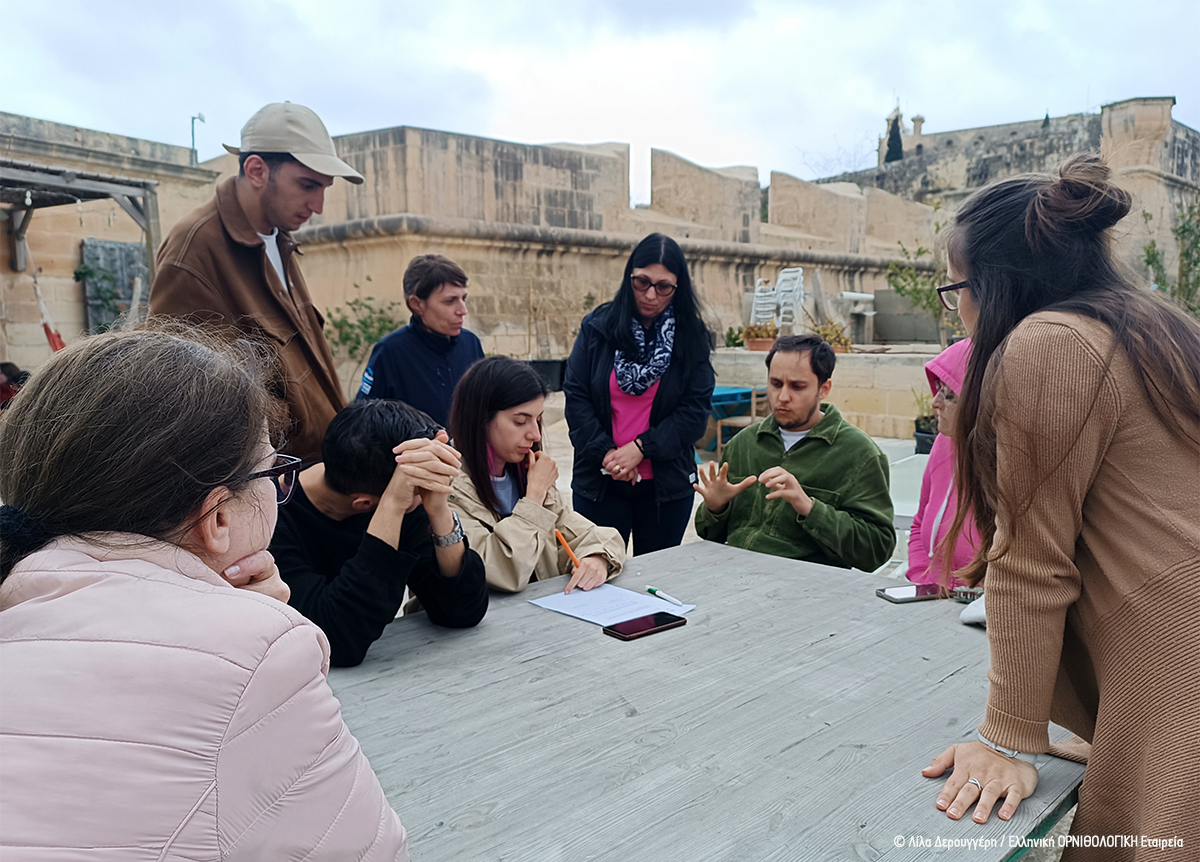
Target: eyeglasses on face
(282,475)
(642,284)
(949,294)
(946,392)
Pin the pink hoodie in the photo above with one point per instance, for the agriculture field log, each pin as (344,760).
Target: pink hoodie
(939,496)
(152,712)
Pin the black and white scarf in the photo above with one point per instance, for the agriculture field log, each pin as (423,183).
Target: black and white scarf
(637,373)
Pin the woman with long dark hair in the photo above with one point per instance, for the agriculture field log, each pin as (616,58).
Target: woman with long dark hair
(505,495)
(1078,439)
(638,394)
(152,709)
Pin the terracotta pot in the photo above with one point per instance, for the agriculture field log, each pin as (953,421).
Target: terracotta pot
(760,344)
(837,348)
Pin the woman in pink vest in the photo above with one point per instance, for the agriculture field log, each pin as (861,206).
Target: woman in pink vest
(151,709)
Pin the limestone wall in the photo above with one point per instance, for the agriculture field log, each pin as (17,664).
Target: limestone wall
(728,199)
(1156,159)
(944,167)
(443,174)
(531,286)
(874,391)
(55,233)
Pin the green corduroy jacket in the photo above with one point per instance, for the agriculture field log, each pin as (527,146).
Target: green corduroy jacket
(844,472)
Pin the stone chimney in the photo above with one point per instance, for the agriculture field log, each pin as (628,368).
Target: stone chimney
(917,122)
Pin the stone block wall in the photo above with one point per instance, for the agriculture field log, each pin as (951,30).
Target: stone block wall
(442,174)
(837,211)
(873,391)
(729,199)
(55,233)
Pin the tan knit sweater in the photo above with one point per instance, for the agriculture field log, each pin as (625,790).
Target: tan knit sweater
(1094,611)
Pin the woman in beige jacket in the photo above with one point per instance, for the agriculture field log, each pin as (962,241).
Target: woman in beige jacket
(505,496)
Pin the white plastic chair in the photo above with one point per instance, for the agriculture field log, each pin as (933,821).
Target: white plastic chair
(789,293)
(762,311)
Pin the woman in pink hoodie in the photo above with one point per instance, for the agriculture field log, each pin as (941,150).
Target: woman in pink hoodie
(151,709)
(939,495)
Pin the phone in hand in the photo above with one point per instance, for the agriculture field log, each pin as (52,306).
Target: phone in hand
(912,593)
(642,626)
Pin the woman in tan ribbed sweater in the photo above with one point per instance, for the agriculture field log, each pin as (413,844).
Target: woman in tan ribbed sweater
(1079,453)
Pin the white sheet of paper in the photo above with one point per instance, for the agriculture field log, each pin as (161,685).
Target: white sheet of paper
(607,604)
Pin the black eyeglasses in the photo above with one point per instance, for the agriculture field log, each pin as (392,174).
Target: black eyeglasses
(949,294)
(642,284)
(282,475)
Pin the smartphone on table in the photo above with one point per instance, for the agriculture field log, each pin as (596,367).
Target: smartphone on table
(912,593)
(642,626)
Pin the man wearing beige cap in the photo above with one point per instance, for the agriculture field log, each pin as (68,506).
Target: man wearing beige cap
(231,262)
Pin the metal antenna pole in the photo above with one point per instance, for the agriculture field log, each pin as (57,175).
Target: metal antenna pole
(198,116)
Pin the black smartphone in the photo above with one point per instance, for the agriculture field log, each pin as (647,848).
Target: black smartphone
(912,593)
(641,626)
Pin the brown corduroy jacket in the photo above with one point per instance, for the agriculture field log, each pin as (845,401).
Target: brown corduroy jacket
(213,268)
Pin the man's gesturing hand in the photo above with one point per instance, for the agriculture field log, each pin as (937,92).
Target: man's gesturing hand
(715,488)
(783,485)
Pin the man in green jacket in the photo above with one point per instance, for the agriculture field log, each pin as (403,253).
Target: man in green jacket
(803,483)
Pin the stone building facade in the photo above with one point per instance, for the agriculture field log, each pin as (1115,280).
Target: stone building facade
(55,233)
(1155,157)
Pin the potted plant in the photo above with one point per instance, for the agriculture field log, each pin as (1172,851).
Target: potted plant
(759,336)
(926,422)
(832,333)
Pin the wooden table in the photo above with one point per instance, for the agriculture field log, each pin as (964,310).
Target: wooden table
(789,719)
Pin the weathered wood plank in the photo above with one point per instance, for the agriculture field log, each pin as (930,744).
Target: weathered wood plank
(788,719)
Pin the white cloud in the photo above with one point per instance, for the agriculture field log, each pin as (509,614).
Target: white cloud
(801,87)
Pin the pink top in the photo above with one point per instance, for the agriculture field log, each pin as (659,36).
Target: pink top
(631,417)
(935,514)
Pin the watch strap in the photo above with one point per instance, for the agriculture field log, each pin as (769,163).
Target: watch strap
(1010,753)
(452,538)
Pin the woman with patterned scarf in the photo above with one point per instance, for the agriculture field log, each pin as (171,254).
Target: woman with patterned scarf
(638,388)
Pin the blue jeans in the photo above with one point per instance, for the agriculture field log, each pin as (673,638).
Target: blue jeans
(632,508)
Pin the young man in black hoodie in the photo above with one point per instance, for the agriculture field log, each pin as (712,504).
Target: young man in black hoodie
(372,519)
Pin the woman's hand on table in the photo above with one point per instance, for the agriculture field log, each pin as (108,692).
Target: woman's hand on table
(713,485)
(258,574)
(622,463)
(997,776)
(541,474)
(590,573)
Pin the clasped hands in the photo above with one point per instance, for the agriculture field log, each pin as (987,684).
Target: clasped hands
(622,463)
(424,471)
(716,489)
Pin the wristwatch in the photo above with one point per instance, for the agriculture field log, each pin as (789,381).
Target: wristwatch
(1010,753)
(452,538)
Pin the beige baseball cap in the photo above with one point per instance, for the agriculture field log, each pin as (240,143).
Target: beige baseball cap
(283,127)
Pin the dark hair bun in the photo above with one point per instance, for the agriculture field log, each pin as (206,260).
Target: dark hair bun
(1082,200)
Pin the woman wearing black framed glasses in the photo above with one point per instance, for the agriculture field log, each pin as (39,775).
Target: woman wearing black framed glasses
(1078,438)
(127,651)
(638,393)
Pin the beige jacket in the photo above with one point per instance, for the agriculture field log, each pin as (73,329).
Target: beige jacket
(522,547)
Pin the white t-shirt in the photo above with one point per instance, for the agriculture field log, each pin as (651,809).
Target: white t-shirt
(506,493)
(271,241)
(791,438)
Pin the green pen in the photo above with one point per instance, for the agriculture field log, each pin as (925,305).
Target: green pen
(657,593)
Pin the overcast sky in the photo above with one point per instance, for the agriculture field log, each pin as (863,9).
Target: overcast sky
(800,87)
